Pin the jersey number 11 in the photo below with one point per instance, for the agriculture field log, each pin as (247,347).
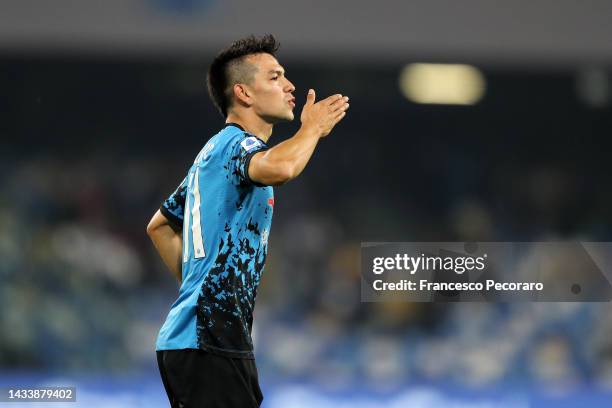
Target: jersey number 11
(192,219)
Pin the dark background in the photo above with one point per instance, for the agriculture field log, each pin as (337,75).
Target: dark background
(91,145)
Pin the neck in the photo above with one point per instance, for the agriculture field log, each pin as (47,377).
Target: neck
(251,123)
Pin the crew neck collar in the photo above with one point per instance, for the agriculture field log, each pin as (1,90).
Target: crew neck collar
(236,125)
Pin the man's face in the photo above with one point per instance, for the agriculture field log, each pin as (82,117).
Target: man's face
(271,92)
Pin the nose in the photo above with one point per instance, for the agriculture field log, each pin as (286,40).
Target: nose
(289,87)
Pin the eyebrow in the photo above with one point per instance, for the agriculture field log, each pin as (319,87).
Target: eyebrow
(277,71)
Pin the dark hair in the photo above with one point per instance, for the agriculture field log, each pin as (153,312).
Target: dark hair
(229,68)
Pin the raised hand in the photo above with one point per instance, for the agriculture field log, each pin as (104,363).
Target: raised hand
(325,114)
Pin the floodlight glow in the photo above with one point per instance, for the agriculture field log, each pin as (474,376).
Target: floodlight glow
(449,84)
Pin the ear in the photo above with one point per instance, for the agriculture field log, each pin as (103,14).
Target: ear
(243,94)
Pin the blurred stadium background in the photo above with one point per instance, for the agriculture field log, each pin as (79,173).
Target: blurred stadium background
(103,107)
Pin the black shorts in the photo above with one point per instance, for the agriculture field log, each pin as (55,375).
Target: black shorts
(198,379)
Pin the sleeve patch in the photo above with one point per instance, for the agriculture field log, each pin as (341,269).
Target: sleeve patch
(250,143)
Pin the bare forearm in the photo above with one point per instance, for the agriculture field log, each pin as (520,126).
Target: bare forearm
(294,153)
(169,245)
(168,242)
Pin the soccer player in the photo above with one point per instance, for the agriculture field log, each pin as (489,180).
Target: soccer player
(212,232)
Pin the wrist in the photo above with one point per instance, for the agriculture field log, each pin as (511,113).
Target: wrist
(311,131)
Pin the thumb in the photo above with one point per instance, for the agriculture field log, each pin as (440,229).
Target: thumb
(310,98)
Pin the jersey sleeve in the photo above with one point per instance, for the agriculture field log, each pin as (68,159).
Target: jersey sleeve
(243,150)
(174,206)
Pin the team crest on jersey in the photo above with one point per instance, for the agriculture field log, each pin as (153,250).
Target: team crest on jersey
(250,143)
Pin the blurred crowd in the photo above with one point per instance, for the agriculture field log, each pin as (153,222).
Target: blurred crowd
(82,289)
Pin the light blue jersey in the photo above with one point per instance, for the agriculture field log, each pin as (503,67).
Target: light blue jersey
(226,219)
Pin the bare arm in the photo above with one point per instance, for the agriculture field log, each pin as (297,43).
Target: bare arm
(287,160)
(168,241)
